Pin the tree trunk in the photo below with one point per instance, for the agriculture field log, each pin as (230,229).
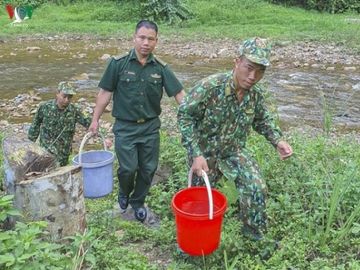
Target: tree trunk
(56,198)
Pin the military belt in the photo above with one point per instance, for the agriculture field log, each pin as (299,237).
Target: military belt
(138,121)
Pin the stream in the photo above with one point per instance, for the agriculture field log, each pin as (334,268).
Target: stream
(302,95)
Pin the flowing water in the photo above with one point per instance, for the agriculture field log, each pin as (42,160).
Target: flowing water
(303,96)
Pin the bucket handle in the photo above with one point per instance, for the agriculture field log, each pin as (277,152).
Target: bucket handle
(84,140)
(208,187)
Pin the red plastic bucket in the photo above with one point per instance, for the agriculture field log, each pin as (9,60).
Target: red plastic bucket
(198,220)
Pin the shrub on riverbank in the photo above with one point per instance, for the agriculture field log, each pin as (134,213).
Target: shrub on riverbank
(332,6)
(228,19)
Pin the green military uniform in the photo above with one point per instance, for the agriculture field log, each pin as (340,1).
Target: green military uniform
(137,92)
(214,124)
(56,128)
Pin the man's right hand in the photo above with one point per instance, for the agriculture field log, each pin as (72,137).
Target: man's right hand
(94,127)
(199,164)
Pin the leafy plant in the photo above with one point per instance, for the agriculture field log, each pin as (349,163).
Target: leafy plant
(6,208)
(332,6)
(80,246)
(17,3)
(24,248)
(327,114)
(169,11)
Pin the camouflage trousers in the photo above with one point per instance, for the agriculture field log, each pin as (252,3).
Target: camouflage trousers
(243,170)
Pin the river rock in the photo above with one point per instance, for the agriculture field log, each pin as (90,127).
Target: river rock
(81,77)
(349,68)
(105,57)
(32,49)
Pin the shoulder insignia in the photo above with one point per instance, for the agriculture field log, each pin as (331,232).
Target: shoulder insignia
(161,62)
(118,57)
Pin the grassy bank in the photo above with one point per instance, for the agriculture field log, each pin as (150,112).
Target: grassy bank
(313,211)
(232,19)
(313,205)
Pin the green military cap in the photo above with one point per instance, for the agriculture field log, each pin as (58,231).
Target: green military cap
(67,88)
(257,50)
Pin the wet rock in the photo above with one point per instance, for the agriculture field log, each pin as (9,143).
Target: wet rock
(22,104)
(105,57)
(4,123)
(79,55)
(151,220)
(349,68)
(213,55)
(356,87)
(81,100)
(297,64)
(82,76)
(108,108)
(223,52)
(107,126)
(36,98)
(33,49)
(316,66)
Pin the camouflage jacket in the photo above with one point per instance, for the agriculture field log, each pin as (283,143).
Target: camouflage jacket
(213,122)
(56,128)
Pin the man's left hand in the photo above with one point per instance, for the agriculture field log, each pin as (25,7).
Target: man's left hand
(284,149)
(108,143)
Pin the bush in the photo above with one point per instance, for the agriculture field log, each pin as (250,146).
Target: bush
(169,11)
(32,3)
(331,6)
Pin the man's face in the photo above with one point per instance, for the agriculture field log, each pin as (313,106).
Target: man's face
(247,73)
(145,40)
(63,100)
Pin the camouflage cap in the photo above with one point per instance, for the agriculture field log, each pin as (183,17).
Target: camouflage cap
(67,88)
(257,50)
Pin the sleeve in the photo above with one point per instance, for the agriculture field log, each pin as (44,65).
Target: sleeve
(171,83)
(265,124)
(82,118)
(34,129)
(109,79)
(190,113)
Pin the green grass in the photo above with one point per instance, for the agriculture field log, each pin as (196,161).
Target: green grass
(313,210)
(233,19)
(313,197)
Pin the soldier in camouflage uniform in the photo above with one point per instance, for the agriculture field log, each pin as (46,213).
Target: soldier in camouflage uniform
(215,120)
(55,122)
(136,81)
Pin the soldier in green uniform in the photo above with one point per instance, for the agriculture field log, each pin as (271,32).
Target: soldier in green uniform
(136,82)
(55,122)
(215,120)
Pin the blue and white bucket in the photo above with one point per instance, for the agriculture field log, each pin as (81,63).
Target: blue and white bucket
(97,170)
